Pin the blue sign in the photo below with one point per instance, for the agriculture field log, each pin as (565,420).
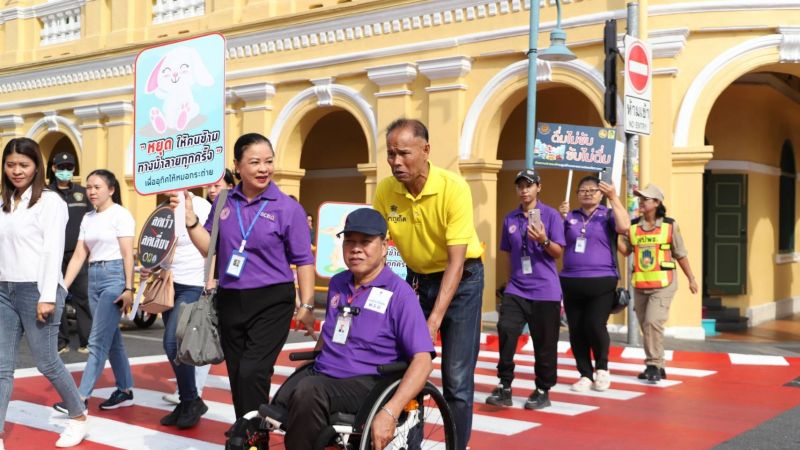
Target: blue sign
(574,147)
(179,115)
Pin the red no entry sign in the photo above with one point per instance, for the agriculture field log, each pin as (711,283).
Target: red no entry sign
(638,68)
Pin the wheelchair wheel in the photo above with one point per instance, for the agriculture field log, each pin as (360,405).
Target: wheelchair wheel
(426,424)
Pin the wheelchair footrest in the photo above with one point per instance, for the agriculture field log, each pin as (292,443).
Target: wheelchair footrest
(273,415)
(340,418)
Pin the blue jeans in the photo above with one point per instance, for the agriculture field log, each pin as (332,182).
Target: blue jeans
(18,302)
(184,373)
(461,334)
(106,283)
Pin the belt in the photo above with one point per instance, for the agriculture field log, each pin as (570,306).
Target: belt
(103,263)
(439,275)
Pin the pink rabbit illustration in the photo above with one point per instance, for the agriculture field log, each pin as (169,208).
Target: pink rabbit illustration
(172,80)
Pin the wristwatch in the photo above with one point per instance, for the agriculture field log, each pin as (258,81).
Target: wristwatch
(546,243)
(308,307)
(133,290)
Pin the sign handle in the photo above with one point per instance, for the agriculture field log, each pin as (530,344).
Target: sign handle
(137,300)
(569,186)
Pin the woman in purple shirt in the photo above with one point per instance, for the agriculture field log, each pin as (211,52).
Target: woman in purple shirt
(533,237)
(589,277)
(261,233)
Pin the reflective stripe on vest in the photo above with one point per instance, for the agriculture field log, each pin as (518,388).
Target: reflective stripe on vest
(652,256)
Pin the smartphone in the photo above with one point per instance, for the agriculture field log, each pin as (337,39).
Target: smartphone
(535,217)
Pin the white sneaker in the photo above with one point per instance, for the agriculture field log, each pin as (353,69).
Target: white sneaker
(2,446)
(602,380)
(582,385)
(171,398)
(74,433)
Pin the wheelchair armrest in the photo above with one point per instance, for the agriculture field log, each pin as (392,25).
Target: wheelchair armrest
(273,412)
(340,418)
(303,356)
(392,368)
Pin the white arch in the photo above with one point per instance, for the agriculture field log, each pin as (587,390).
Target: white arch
(684,123)
(544,74)
(51,122)
(313,92)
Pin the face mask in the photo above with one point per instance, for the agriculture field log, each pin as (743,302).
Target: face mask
(64,175)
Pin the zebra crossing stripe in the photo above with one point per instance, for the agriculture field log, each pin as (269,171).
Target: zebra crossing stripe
(108,432)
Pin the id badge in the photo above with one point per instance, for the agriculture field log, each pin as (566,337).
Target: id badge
(236,264)
(580,245)
(342,328)
(527,267)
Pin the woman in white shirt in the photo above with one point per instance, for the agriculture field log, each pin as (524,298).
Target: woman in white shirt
(188,268)
(32,291)
(106,238)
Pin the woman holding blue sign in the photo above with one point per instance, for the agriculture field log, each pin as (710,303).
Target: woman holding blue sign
(589,277)
(261,233)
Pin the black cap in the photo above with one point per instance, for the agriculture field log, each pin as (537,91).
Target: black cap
(63,158)
(365,220)
(529,175)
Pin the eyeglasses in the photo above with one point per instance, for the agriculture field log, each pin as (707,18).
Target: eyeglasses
(65,167)
(588,191)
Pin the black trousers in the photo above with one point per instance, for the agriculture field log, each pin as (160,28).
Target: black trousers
(311,397)
(543,319)
(588,303)
(79,297)
(253,324)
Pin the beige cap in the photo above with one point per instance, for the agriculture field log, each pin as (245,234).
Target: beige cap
(650,191)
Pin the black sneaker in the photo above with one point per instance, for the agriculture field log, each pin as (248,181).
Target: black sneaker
(118,399)
(538,400)
(643,375)
(191,413)
(171,419)
(62,407)
(501,396)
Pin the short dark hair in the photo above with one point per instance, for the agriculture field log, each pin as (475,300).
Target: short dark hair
(417,127)
(589,179)
(111,181)
(228,178)
(27,147)
(246,140)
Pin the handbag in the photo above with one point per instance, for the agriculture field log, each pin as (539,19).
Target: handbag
(197,332)
(622,298)
(159,293)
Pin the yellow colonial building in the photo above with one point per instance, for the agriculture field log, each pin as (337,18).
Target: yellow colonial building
(323,78)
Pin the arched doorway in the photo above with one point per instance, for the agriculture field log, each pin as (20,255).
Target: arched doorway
(556,103)
(54,143)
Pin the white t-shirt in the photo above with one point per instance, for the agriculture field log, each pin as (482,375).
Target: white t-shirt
(32,242)
(100,232)
(188,265)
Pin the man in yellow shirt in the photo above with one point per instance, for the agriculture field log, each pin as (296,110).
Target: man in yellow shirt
(429,212)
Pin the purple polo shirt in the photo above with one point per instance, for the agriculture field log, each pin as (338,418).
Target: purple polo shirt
(279,238)
(375,337)
(597,260)
(543,283)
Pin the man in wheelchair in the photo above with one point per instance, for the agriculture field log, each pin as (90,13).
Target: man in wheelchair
(373,319)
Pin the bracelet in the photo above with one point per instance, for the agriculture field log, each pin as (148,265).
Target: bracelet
(308,307)
(386,410)
(133,291)
(196,222)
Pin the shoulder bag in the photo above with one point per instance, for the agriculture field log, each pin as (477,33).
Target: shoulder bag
(622,298)
(197,332)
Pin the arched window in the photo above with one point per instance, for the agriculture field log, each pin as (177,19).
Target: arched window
(786,205)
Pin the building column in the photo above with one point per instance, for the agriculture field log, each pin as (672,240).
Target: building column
(393,101)
(130,22)
(257,109)
(10,128)
(446,106)
(481,175)
(94,154)
(289,180)
(688,165)
(370,172)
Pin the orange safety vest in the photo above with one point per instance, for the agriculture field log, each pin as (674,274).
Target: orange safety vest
(653,265)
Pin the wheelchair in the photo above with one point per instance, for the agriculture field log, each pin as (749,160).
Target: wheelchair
(425,423)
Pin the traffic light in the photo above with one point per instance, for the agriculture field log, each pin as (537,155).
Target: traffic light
(610,71)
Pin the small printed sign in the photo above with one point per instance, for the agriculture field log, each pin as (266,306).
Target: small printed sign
(157,237)
(574,147)
(638,86)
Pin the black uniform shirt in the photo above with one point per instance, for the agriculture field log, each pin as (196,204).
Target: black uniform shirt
(78,205)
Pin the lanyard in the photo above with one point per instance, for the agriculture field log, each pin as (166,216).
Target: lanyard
(245,235)
(586,222)
(523,231)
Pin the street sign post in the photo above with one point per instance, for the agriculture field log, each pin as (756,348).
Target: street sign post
(638,86)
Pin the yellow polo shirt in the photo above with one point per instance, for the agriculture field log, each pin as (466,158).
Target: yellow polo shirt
(422,227)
